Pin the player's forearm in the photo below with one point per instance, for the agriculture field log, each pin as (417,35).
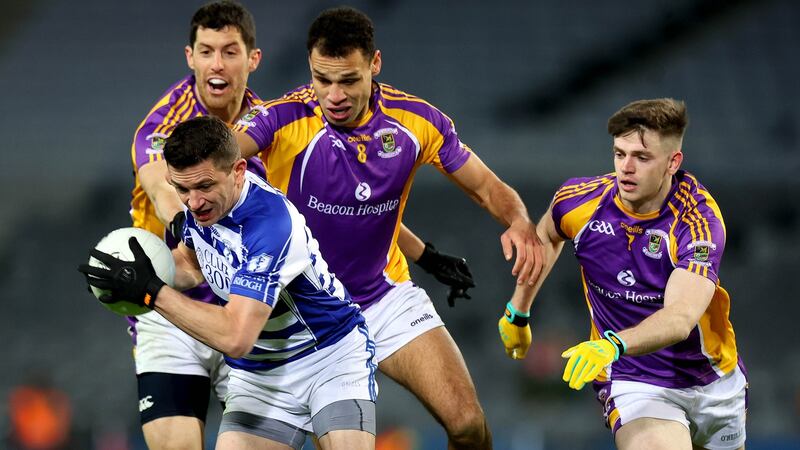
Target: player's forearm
(186,279)
(660,330)
(187,271)
(490,192)
(211,324)
(411,245)
(247,145)
(165,202)
(503,203)
(153,178)
(686,297)
(525,294)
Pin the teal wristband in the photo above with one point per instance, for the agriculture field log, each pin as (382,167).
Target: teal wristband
(515,317)
(619,344)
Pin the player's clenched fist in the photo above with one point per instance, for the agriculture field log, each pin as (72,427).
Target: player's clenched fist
(515,332)
(588,358)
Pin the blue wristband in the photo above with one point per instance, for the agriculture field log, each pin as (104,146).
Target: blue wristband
(619,344)
(515,317)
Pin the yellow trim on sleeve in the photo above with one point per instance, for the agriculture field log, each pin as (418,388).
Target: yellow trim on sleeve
(430,139)
(396,264)
(719,339)
(290,140)
(182,101)
(567,192)
(712,204)
(572,222)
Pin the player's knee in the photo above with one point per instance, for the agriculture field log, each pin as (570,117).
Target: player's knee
(170,442)
(173,442)
(469,429)
(174,433)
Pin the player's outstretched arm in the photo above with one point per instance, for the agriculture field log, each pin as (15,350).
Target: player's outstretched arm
(247,145)
(686,297)
(513,326)
(410,244)
(449,270)
(153,178)
(505,205)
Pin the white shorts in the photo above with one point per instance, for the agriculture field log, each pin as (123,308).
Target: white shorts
(163,347)
(294,392)
(714,414)
(404,313)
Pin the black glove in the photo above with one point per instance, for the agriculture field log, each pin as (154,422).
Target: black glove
(131,281)
(175,227)
(448,269)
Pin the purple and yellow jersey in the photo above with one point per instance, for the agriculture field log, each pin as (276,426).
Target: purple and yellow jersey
(626,260)
(351,184)
(179,103)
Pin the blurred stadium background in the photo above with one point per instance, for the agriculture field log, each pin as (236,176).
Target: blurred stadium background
(529,85)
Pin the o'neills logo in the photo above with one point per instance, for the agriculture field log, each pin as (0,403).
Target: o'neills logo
(635,229)
(424,317)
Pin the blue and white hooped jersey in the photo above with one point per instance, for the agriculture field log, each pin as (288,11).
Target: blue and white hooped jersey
(263,250)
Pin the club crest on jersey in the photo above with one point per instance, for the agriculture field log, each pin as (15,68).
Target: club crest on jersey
(389,148)
(157,141)
(259,263)
(702,250)
(247,119)
(701,253)
(655,241)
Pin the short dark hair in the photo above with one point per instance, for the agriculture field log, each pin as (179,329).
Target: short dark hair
(220,14)
(336,32)
(665,116)
(200,139)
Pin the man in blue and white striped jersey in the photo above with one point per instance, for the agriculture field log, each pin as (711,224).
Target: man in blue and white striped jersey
(300,352)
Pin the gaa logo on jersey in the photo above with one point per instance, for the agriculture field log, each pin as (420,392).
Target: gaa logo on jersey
(655,242)
(157,141)
(601,226)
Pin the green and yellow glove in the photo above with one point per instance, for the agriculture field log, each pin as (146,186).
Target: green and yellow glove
(515,332)
(588,358)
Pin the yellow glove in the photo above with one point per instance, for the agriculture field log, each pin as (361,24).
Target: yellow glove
(515,332)
(588,358)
